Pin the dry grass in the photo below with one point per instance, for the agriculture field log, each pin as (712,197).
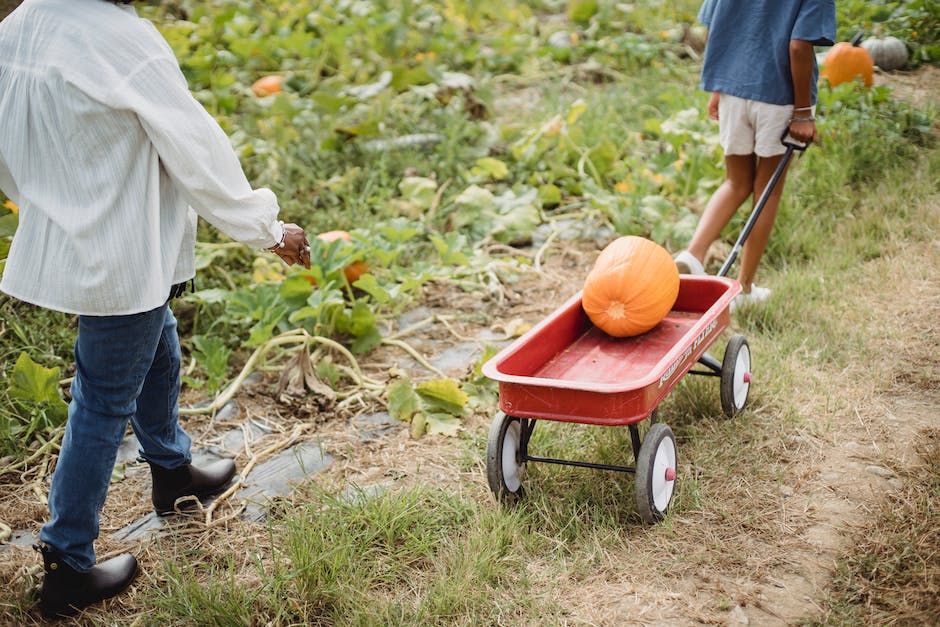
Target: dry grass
(892,576)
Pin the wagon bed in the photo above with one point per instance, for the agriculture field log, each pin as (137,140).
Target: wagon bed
(567,369)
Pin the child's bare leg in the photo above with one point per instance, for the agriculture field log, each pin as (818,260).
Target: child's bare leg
(757,240)
(738,185)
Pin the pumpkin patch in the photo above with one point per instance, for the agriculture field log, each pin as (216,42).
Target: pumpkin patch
(632,286)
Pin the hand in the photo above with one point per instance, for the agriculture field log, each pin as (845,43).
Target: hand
(804,131)
(713,105)
(295,249)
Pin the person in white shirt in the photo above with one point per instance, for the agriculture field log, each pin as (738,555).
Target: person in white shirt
(110,159)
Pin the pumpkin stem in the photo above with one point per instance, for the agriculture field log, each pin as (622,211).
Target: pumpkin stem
(859,36)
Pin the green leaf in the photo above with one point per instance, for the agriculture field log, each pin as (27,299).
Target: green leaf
(549,195)
(449,248)
(211,296)
(489,351)
(442,424)
(476,197)
(118,473)
(8,224)
(205,257)
(403,403)
(296,289)
(444,395)
(368,284)
(367,341)
(398,231)
(418,190)
(213,355)
(490,168)
(366,128)
(34,383)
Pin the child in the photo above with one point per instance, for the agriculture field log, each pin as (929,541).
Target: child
(760,66)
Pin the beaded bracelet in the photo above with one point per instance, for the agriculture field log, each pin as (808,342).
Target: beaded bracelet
(811,118)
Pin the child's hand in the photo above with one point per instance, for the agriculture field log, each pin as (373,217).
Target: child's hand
(804,131)
(713,105)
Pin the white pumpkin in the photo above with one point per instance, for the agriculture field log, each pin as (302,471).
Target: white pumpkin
(888,53)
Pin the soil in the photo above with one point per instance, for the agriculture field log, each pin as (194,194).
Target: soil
(838,469)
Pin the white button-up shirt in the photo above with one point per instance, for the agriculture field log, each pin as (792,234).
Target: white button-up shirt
(107,153)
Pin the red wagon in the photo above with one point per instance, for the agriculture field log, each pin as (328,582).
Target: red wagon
(566,369)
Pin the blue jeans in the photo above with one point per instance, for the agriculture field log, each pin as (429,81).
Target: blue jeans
(127,369)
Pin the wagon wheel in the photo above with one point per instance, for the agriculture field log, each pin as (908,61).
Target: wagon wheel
(656,473)
(735,375)
(504,470)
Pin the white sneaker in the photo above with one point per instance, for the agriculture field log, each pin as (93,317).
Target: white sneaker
(688,264)
(755,296)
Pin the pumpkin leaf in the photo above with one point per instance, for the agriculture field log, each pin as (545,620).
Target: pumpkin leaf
(403,402)
(476,197)
(418,190)
(449,247)
(8,224)
(442,424)
(37,385)
(213,355)
(367,341)
(205,257)
(443,394)
(549,195)
(118,473)
(368,284)
(488,168)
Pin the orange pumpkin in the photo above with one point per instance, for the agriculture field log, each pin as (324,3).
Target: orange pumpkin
(847,60)
(354,270)
(267,85)
(631,288)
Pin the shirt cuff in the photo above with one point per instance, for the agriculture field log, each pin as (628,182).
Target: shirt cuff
(277,232)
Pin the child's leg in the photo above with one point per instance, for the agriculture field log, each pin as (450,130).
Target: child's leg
(738,185)
(757,240)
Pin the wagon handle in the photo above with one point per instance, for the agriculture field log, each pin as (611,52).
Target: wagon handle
(792,145)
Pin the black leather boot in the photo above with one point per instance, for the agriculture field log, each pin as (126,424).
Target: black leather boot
(65,590)
(169,484)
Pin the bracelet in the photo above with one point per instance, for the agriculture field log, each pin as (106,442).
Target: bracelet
(811,118)
(803,109)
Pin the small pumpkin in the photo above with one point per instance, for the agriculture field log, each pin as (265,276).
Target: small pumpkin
(267,85)
(354,270)
(888,53)
(632,286)
(846,61)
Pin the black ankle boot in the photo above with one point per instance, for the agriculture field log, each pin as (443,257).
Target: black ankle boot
(169,484)
(65,591)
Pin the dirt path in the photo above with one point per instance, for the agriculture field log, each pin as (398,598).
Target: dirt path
(861,422)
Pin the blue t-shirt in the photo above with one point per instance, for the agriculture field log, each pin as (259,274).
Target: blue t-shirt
(748,50)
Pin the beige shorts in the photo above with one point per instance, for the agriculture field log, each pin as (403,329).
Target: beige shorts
(751,127)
